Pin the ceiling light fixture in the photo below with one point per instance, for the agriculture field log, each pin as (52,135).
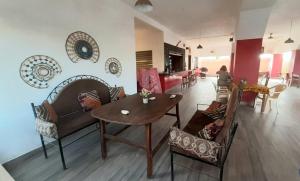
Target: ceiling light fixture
(231,37)
(290,40)
(199,46)
(143,6)
(271,36)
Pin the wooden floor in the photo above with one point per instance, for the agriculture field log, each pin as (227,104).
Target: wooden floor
(263,149)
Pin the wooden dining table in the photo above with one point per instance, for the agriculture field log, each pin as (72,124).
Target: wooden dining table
(140,114)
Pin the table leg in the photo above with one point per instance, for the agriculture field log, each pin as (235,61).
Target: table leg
(148,140)
(264,103)
(103,140)
(177,115)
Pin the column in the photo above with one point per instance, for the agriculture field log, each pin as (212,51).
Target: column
(246,64)
(246,61)
(296,69)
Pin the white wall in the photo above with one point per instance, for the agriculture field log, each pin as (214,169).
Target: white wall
(169,36)
(41,27)
(149,39)
(213,64)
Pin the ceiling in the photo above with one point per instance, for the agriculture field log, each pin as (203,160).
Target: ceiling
(279,24)
(195,18)
(213,21)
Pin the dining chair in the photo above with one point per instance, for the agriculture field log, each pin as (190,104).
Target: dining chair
(261,96)
(288,79)
(275,93)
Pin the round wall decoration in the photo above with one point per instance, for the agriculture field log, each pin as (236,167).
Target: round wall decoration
(37,70)
(81,46)
(113,66)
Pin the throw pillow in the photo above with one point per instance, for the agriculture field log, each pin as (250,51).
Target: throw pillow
(89,100)
(217,113)
(46,112)
(116,93)
(211,130)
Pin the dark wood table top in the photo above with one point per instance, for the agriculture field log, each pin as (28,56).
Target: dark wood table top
(140,114)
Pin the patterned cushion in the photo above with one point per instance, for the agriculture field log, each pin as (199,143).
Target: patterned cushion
(201,148)
(116,93)
(47,129)
(46,112)
(89,100)
(211,130)
(217,113)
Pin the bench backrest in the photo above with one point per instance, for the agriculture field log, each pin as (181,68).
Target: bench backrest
(66,100)
(225,137)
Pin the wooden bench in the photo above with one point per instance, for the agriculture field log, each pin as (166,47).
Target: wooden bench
(71,117)
(220,145)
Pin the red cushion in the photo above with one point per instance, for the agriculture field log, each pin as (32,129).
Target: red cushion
(211,130)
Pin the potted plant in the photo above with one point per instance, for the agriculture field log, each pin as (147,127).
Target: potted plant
(145,95)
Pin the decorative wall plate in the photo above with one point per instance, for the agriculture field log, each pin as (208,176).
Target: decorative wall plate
(37,70)
(113,66)
(81,46)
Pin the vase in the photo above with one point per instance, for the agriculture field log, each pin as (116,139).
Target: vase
(145,100)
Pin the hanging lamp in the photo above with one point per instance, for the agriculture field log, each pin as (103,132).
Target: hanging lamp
(271,36)
(143,6)
(290,40)
(199,46)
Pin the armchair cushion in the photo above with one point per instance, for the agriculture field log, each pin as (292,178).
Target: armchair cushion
(73,122)
(195,146)
(197,122)
(46,128)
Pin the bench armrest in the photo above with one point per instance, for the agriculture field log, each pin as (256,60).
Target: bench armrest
(192,145)
(47,129)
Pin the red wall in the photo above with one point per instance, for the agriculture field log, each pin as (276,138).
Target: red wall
(246,64)
(247,60)
(296,69)
(277,65)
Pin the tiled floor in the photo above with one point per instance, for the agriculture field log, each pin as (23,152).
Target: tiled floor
(264,148)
